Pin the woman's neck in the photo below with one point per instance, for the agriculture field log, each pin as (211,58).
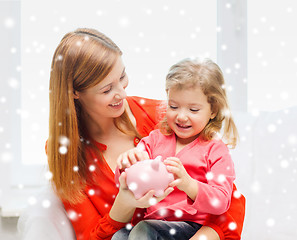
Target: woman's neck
(99,126)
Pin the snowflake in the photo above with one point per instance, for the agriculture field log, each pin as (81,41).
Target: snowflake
(153,201)
(144,177)
(9,22)
(59,58)
(13,50)
(284,95)
(256,187)
(124,22)
(178,213)
(284,163)
(32,18)
(209,176)
(6,157)
(203,237)
(3,99)
(13,83)
(133,186)
(215,202)
(128,226)
(221,178)
(224,47)
(271,128)
(232,226)
(48,175)
(292,139)
(149,11)
(92,168)
(46,203)
(72,215)
(75,168)
(163,212)
(172,231)
(91,192)
(165,8)
(270,222)
(63,150)
(228,5)
(236,194)
(32,200)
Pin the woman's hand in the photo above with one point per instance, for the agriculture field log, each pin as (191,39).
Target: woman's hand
(130,157)
(183,181)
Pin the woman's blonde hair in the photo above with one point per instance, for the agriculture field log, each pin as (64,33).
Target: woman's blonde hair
(208,76)
(82,59)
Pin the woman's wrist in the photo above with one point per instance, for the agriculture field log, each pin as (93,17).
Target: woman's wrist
(120,211)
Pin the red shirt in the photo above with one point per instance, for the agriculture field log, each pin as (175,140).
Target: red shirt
(90,218)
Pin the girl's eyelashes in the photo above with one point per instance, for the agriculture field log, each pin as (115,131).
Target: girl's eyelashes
(123,76)
(194,110)
(172,107)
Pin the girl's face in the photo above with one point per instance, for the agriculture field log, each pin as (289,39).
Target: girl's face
(188,112)
(105,100)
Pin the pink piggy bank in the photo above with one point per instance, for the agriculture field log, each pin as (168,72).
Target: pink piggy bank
(148,175)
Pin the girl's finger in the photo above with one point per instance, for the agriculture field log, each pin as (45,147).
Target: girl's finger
(175,159)
(174,183)
(132,157)
(169,162)
(140,155)
(173,169)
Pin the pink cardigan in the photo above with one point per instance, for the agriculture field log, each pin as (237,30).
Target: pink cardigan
(209,163)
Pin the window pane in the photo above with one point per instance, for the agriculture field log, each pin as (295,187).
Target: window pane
(272,56)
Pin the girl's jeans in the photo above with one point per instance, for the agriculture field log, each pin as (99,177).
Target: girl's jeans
(158,230)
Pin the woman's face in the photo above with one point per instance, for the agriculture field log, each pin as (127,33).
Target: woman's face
(105,100)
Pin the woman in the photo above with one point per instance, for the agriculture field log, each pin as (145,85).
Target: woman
(91,122)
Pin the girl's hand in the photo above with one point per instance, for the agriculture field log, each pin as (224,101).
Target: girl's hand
(183,181)
(130,157)
(144,202)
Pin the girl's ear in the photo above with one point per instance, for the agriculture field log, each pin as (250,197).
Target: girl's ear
(75,94)
(213,115)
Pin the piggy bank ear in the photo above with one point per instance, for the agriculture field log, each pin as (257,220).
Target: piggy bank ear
(156,162)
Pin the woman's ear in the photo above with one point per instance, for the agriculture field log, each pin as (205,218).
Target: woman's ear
(75,94)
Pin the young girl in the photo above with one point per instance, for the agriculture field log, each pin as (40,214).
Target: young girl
(189,142)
